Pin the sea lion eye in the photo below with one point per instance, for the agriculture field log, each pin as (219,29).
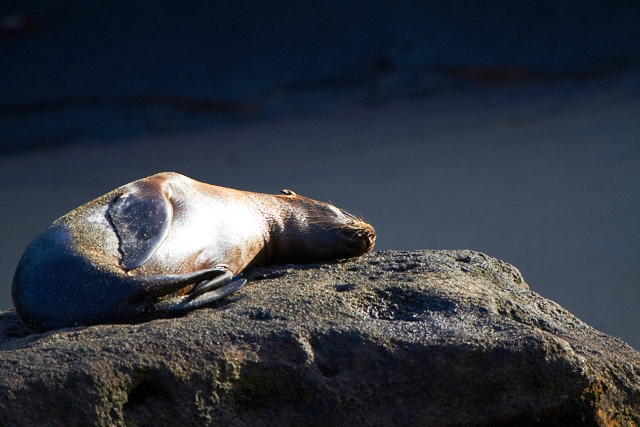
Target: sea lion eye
(288,192)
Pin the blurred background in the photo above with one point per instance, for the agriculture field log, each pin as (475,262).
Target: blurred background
(510,128)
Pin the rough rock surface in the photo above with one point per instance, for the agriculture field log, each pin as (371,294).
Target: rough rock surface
(446,338)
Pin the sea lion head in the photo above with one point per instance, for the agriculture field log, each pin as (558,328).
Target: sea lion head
(316,231)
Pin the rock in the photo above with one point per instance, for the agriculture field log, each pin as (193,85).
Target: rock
(446,338)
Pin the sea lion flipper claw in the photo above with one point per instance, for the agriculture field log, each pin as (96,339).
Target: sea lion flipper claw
(141,219)
(209,285)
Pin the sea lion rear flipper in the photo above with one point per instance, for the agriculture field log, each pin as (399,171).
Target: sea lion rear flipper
(157,286)
(185,304)
(209,285)
(141,218)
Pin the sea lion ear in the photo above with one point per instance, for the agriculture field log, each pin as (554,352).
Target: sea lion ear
(141,218)
(288,192)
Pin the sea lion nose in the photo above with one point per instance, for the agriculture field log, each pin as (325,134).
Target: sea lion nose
(366,238)
(370,239)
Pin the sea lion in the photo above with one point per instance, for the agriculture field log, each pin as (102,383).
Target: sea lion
(167,244)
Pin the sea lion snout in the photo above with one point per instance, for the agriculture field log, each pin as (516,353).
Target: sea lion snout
(359,236)
(366,237)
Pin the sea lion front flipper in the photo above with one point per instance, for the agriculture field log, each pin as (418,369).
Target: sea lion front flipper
(141,218)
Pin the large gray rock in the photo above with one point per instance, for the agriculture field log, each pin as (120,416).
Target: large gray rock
(446,338)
